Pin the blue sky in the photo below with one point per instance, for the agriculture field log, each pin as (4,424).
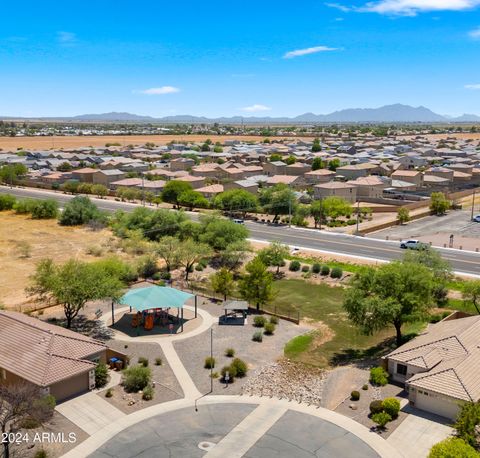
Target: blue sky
(219,58)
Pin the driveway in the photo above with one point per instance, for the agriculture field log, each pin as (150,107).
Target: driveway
(89,412)
(416,435)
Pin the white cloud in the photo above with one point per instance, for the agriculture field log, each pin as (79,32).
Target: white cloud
(410,7)
(159,90)
(306,51)
(256,108)
(339,6)
(475,87)
(66,37)
(475,33)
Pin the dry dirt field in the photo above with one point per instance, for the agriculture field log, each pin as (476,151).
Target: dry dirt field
(46,143)
(46,240)
(462,136)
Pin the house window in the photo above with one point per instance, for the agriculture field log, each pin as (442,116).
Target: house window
(401,369)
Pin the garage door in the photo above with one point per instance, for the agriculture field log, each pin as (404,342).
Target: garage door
(436,404)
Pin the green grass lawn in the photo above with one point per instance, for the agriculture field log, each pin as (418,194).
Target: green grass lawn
(324,303)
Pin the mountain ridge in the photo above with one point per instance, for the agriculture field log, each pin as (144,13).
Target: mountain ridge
(394,113)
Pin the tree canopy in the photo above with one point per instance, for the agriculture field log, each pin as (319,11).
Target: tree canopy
(393,294)
(278,200)
(256,286)
(236,200)
(73,284)
(80,210)
(274,254)
(173,189)
(222,282)
(220,232)
(439,203)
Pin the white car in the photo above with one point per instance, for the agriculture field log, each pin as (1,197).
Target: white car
(413,245)
(476,219)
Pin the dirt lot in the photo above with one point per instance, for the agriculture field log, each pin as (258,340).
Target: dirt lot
(45,143)
(45,238)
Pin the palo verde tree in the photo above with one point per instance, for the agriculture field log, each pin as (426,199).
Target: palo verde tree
(236,201)
(220,232)
(191,252)
(168,249)
(10,173)
(471,293)
(391,295)
(274,255)
(73,284)
(439,203)
(222,282)
(173,190)
(278,200)
(256,286)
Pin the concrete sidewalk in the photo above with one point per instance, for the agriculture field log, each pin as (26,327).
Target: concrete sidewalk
(89,412)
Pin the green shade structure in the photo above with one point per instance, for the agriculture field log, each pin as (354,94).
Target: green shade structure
(155,297)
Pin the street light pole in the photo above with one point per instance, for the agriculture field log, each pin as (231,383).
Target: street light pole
(143,188)
(358,214)
(473,204)
(211,371)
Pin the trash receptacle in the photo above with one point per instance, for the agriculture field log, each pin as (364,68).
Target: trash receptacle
(112,362)
(119,364)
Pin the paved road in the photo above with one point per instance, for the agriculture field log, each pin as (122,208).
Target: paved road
(222,430)
(363,247)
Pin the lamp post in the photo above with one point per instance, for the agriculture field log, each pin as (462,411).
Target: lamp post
(358,214)
(473,205)
(211,371)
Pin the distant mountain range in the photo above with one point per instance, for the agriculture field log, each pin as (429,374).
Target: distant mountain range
(396,113)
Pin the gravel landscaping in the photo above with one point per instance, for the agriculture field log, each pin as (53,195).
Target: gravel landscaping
(166,388)
(193,351)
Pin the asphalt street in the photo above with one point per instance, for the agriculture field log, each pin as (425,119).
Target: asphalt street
(466,262)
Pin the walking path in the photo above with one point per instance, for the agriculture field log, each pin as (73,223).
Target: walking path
(104,422)
(246,433)
(90,412)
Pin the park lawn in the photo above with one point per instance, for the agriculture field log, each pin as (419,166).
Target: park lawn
(322,303)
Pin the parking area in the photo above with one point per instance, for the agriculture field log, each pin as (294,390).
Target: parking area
(437,230)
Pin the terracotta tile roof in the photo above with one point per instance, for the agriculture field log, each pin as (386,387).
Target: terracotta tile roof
(43,353)
(450,354)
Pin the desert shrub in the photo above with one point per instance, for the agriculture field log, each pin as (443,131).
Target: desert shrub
(164,275)
(42,453)
(467,421)
(209,362)
(381,419)
(7,202)
(158,361)
(136,378)
(294,266)
(24,249)
(305,268)
(80,210)
(101,375)
(214,375)
(355,395)
(365,387)
(23,206)
(316,268)
(336,272)
(232,372)
(230,352)
(147,394)
(378,376)
(391,406)
(259,321)
(199,268)
(240,366)
(257,336)
(30,423)
(147,266)
(269,329)
(143,361)
(325,270)
(376,407)
(94,250)
(44,209)
(109,393)
(274,319)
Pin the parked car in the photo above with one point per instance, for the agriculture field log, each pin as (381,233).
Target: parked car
(414,245)
(476,219)
(238,221)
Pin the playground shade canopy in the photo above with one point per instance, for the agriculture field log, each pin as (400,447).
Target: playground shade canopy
(153,297)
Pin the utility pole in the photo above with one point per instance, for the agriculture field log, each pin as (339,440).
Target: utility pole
(321,212)
(289,212)
(358,214)
(473,204)
(143,188)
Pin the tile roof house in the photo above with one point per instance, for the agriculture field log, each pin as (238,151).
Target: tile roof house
(60,361)
(441,367)
(335,189)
